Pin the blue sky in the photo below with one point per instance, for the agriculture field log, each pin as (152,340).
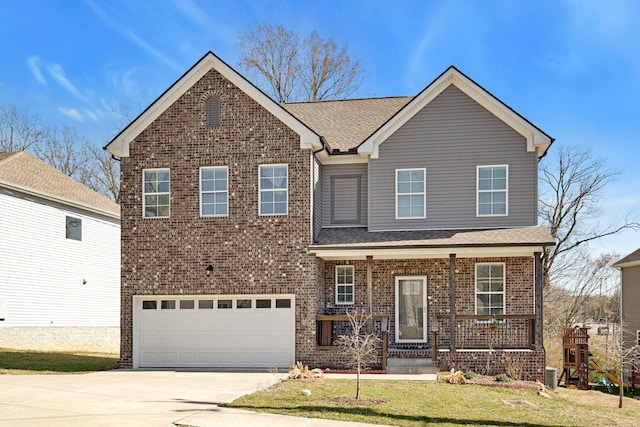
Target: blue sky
(570,67)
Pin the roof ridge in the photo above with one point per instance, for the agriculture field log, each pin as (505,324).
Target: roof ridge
(347,99)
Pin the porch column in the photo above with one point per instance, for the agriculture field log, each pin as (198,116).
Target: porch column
(538,290)
(370,291)
(452,302)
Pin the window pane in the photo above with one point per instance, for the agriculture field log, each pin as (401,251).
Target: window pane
(283,303)
(243,303)
(263,303)
(205,303)
(225,303)
(168,304)
(499,172)
(187,304)
(484,173)
(483,285)
(149,305)
(496,271)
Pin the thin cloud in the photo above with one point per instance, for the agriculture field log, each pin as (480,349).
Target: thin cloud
(32,62)
(133,36)
(92,115)
(57,73)
(72,113)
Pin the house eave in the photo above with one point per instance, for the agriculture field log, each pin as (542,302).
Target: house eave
(336,252)
(119,145)
(61,200)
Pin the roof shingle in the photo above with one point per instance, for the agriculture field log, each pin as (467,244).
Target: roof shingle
(350,238)
(631,259)
(25,171)
(345,124)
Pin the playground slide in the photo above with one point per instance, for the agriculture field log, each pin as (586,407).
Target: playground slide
(593,365)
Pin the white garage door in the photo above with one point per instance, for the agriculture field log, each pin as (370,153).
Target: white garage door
(234,331)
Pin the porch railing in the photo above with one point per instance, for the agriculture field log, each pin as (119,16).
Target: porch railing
(506,331)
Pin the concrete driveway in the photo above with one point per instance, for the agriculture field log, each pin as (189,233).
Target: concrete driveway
(137,398)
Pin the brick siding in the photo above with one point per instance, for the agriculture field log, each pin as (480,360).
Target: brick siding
(252,254)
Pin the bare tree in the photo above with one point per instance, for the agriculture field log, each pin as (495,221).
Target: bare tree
(573,298)
(64,149)
(19,130)
(360,347)
(317,70)
(572,184)
(270,55)
(328,72)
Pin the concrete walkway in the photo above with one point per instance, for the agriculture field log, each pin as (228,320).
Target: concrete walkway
(145,398)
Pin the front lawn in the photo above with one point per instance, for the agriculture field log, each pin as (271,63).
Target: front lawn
(26,362)
(415,403)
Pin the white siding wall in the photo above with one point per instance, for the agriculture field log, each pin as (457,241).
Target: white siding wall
(42,272)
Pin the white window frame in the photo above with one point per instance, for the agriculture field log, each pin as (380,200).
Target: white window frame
(505,191)
(352,284)
(261,191)
(225,191)
(423,193)
(504,286)
(425,329)
(159,193)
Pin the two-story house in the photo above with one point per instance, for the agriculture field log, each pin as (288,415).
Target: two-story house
(250,228)
(59,260)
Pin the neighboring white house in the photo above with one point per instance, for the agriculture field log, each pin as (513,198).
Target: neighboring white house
(59,260)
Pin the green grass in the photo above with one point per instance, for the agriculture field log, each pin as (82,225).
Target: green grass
(25,362)
(414,403)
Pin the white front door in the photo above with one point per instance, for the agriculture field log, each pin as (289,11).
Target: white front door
(411,308)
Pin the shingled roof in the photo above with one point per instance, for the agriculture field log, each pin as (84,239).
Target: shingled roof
(630,260)
(345,124)
(24,173)
(361,238)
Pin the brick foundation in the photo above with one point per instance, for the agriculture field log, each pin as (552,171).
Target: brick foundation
(529,362)
(61,338)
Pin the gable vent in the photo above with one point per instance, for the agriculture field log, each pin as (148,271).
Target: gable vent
(213,112)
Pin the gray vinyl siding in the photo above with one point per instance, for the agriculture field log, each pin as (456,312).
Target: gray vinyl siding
(630,302)
(346,202)
(317,197)
(450,137)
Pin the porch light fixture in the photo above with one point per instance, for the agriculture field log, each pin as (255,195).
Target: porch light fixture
(208,269)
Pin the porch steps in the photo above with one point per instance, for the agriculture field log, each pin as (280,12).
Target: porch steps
(410,366)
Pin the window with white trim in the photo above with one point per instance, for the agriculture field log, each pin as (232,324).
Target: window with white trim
(410,193)
(273,186)
(344,284)
(492,187)
(214,193)
(638,338)
(156,196)
(490,284)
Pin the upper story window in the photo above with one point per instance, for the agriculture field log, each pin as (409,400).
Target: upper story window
(213,112)
(492,183)
(214,191)
(73,228)
(155,203)
(344,284)
(490,286)
(638,340)
(273,189)
(410,193)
